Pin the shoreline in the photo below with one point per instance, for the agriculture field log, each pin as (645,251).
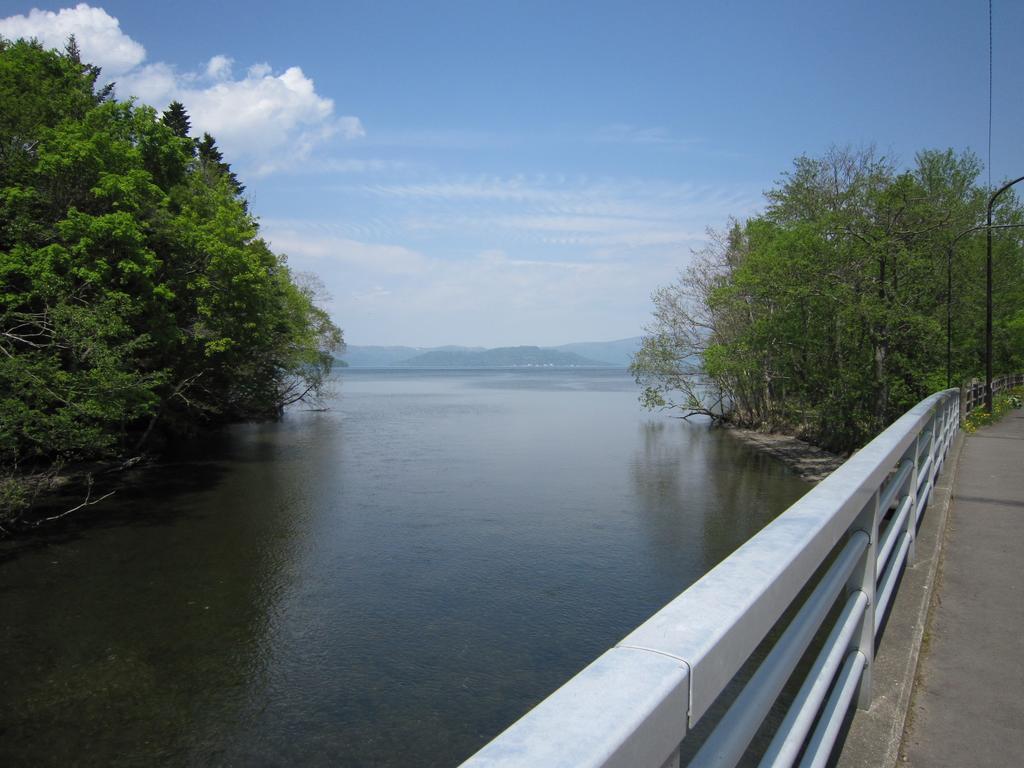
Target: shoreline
(811,463)
(58,494)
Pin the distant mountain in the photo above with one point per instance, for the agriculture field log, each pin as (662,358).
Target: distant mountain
(615,354)
(618,353)
(389,357)
(502,357)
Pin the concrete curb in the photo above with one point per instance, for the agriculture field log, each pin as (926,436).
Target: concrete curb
(875,735)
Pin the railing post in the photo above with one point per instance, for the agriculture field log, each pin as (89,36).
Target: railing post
(947,427)
(914,487)
(936,425)
(864,579)
(915,478)
(951,406)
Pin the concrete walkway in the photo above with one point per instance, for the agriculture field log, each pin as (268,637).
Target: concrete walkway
(968,700)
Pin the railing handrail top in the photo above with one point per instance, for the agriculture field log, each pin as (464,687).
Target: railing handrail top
(624,709)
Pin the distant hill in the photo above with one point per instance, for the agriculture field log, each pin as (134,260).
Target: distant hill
(389,357)
(615,354)
(618,353)
(502,357)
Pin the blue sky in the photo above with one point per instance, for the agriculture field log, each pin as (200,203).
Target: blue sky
(494,173)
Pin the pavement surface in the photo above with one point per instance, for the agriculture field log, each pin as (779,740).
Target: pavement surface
(968,701)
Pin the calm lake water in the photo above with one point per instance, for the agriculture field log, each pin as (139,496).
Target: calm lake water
(387,583)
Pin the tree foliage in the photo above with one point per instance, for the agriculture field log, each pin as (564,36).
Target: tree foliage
(176,118)
(826,315)
(137,299)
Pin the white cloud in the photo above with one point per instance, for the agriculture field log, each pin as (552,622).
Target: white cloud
(219,68)
(270,120)
(263,121)
(631,134)
(503,259)
(489,188)
(331,252)
(641,199)
(388,293)
(494,299)
(98,34)
(357,165)
(259,70)
(611,215)
(154,84)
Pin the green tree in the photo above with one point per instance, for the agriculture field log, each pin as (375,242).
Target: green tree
(137,299)
(213,165)
(176,118)
(825,316)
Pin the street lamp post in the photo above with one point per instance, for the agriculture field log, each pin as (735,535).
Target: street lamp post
(949,290)
(988,292)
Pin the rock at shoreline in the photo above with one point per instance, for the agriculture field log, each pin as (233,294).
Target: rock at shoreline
(811,463)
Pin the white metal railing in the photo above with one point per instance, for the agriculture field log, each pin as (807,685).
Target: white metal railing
(633,706)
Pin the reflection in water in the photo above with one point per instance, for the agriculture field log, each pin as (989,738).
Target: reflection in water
(390,582)
(132,638)
(702,493)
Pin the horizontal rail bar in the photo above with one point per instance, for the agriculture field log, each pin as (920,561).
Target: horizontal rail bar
(888,581)
(937,458)
(924,441)
(734,731)
(922,473)
(892,533)
(789,738)
(922,500)
(895,485)
(820,747)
